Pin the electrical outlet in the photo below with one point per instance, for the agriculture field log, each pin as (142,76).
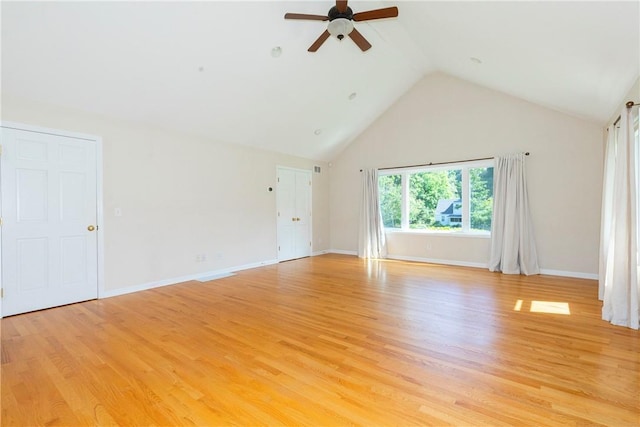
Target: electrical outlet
(428,246)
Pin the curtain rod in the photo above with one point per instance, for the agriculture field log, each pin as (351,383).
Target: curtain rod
(629,105)
(439,163)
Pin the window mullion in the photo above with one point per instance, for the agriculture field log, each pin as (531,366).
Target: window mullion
(465,200)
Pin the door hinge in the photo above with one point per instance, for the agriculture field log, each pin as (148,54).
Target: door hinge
(0,149)
(278,247)
(278,179)
(309,244)
(1,292)
(0,221)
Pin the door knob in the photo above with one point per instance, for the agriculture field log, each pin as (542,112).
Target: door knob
(91,228)
(293,219)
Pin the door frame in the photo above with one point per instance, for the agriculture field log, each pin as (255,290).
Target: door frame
(310,172)
(99,190)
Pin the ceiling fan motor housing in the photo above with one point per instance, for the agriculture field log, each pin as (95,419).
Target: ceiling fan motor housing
(340,23)
(335,13)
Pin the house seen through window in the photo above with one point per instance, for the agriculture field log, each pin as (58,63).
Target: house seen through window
(455,198)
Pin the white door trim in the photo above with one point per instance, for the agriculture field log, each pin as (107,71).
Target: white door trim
(310,172)
(99,190)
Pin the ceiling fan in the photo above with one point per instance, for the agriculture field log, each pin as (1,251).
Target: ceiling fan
(341,19)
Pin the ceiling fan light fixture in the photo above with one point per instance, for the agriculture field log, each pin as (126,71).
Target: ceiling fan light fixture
(340,27)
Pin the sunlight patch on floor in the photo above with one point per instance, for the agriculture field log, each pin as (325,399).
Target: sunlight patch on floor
(550,307)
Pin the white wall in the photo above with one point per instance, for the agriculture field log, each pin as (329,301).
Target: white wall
(443,118)
(180,196)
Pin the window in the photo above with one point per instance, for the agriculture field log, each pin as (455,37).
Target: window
(455,198)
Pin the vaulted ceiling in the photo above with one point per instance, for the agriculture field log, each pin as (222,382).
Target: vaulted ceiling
(206,68)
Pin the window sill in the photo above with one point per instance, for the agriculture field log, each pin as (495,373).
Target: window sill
(471,234)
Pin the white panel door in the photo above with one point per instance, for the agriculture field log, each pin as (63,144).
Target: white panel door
(303,214)
(49,213)
(285,194)
(294,213)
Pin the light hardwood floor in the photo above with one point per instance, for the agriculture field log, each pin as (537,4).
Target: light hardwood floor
(330,340)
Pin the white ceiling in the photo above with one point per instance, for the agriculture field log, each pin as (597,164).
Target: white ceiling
(206,67)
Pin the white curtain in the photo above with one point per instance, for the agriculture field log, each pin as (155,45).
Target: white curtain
(619,285)
(371,239)
(513,249)
(607,207)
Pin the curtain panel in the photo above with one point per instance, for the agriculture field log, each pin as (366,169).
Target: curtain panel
(513,249)
(371,238)
(619,284)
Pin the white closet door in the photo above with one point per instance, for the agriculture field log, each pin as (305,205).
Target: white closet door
(49,212)
(294,213)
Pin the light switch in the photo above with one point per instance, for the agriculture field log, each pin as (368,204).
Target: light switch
(118,212)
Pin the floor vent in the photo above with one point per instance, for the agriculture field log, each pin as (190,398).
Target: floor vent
(215,276)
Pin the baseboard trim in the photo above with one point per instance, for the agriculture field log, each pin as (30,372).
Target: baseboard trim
(574,274)
(438,261)
(341,252)
(175,280)
(547,272)
(228,271)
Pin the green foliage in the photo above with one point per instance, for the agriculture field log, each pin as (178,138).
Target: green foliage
(390,189)
(481,180)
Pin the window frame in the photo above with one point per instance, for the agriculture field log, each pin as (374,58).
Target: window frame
(465,229)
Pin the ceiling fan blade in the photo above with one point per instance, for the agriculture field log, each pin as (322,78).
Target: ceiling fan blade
(323,37)
(359,39)
(305,16)
(387,12)
(341,5)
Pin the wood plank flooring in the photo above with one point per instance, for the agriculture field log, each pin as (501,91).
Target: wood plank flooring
(327,341)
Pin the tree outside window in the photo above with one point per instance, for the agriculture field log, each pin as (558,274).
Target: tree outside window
(390,189)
